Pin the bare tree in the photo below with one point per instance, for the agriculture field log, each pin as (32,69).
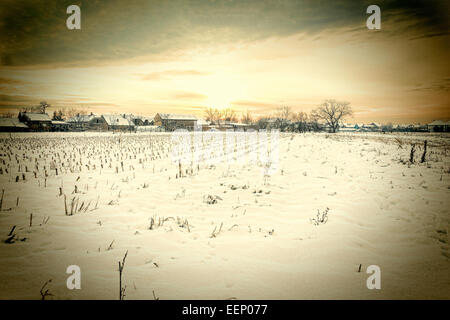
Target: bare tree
(72,112)
(228,114)
(41,108)
(212,115)
(284,113)
(58,115)
(332,112)
(8,114)
(247,117)
(43,105)
(66,113)
(301,121)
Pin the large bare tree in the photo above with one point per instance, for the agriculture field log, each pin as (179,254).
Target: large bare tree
(212,115)
(284,113)
(332,112)
(228,114)
(216,115)
(301,121)
(247,117)
(43,105)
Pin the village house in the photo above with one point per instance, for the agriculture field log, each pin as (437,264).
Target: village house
(135,120)
(203,125)
(118,122)
(373,127)
(83,122)
(439,126)
(172,122)
(147,121)
(36,121)
(347,127)
(58,125)
(12,125)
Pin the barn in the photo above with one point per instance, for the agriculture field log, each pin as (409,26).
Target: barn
(36,121)
(172,121)
(82,122)
(12,125)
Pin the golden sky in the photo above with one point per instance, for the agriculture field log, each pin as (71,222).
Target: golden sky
(175,56)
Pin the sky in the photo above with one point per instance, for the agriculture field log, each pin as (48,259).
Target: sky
(145,57)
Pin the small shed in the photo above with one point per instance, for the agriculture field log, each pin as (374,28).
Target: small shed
(36,121)
(12,125)
(172,121)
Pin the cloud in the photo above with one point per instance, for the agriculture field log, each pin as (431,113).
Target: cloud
(442,85)
(9,81)
(183,95)
(169,74)
(242,103)
(6,98)
(34,32)
(20,101)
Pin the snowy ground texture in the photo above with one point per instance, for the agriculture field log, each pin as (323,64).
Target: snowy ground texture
(224,231)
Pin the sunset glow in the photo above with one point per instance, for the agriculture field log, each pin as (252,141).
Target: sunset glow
(182,57)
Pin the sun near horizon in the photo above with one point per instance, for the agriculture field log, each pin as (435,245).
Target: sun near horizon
(183,56)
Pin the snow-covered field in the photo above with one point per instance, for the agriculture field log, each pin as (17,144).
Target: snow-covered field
(224,230)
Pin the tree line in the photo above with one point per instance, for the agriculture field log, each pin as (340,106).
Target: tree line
(331,112)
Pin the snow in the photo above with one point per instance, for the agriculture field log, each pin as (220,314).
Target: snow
(383,211)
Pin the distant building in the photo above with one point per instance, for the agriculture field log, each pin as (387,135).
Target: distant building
(346,127)
(172,122)
(135,120)
(58,125)
(148,128)
(83,122)
(118,122)
(203,125)
(371,127)
(12,125)
(147,121)
(439,126)
(36,121)
(420,128)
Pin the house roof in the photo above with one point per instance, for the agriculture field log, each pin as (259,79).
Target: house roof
(439,123)
(172,116)
(116,120)
(149,119)
(12,123)
(37,116)
(237,124)
(131,117)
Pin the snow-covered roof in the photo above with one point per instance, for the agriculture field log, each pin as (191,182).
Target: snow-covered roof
(439,123)
(116,120)
(37,116)
(12,123)
(237,124)
(172,116)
